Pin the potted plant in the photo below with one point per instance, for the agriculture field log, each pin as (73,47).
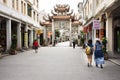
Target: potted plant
(104,42)
(82,42)
(13,45)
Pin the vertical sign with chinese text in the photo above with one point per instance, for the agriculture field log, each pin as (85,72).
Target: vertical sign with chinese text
(96,24)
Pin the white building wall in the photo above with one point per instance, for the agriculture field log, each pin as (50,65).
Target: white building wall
(12,13)
(88,11)
(103,6)
(109,34)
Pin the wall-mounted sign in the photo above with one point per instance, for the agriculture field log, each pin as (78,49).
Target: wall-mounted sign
(96,24)
(39,31)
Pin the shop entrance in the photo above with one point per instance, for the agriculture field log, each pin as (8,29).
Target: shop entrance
(117,42)
(3,33)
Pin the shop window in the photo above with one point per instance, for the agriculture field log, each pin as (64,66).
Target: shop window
(97,33)
(102,33)
(118,39)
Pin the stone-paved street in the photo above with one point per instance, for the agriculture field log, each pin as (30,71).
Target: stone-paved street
(54,63)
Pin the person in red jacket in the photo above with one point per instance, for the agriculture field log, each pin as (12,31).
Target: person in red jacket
(35,44)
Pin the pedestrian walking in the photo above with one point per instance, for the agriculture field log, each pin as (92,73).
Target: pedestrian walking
(35,45)
(98,53)
(55,41)
(89,52)
(73,43)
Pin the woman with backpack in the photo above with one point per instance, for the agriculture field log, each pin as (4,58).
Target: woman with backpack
(89,52)
(99,57)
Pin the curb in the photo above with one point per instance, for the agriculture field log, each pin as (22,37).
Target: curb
(3,55)
(115,62)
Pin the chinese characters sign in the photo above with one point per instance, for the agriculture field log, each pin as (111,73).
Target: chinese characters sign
(96,24)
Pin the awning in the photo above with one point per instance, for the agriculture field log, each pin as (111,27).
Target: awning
(88,28)
(85,29)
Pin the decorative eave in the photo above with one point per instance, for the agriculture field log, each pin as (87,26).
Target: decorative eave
(70,13)
(73,17)
(77,18)
(61,17)
(61,8)
(56,17)
(53,13)
(50,18)
(28,2)
(47,23)
(46,19)
(76,23)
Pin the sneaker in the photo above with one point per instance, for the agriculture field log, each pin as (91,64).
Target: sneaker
(97,65)
(101,66)
(88,64)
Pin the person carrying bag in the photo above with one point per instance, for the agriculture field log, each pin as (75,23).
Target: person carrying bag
(89,52)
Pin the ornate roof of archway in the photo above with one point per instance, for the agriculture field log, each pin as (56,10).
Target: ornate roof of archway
(61,13)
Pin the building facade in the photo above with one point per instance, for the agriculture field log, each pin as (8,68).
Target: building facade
(20,18)
(106,14)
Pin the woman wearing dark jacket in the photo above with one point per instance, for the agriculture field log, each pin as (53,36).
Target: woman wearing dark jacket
(73,44)
(99,57)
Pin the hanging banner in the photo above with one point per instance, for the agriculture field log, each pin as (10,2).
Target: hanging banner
(96,24)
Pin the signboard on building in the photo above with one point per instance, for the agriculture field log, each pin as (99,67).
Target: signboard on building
(39,31)
(96,24)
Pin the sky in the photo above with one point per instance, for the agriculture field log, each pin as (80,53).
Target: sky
(47,5)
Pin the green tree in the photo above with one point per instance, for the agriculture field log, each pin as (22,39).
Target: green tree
(104,42)
(82,38)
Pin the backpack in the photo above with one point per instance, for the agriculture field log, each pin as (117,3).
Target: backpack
(88,50)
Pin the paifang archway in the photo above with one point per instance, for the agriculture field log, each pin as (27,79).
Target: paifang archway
(62,18)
